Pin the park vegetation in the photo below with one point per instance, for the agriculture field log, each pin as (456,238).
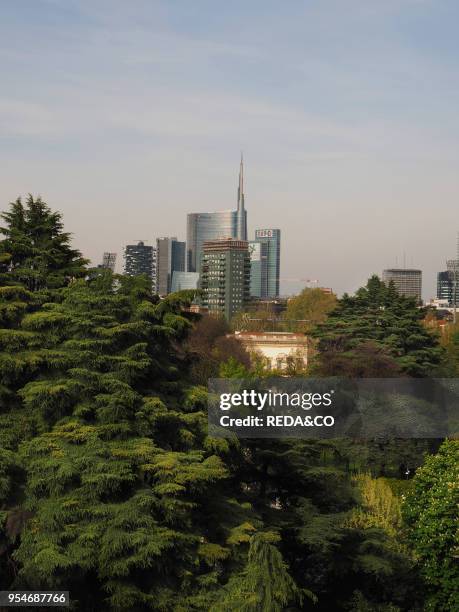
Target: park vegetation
(111,487)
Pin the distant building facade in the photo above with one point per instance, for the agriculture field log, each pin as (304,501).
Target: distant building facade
(277,349)
(170,258)
(225,276)
(140,259)
(184,280)
(202,227)
(407,282)
(446,289)
(265,263)
(108,261)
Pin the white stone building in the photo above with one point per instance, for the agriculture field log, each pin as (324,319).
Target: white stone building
(277,348)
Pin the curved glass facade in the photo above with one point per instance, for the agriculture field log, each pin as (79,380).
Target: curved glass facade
(202,227)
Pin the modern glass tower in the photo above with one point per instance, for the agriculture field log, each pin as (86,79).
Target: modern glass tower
(202,227)
(265,263)
(170,258)
(445,287)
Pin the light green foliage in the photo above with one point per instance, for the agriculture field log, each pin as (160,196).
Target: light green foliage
(378,506)
(264,585)
(232,369)
(431,510)
(308,309)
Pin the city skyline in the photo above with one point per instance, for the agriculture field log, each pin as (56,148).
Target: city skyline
(125,118)
(233,224)
(209,225)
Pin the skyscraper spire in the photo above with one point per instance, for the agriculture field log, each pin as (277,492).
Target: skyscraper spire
(240,190)
(241,214)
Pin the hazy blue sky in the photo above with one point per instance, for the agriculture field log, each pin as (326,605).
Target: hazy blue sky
(127,115)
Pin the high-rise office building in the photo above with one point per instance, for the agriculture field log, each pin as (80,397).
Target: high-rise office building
(202,227)
(225,276)
(265,263)
(140,259)
(445,287)
(407,282)
(170,258)
(258,267)
(108,261)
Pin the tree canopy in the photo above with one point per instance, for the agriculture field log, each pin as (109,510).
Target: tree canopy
(376,332)
(309,308)
(431,510)
(112,488)
(35,251)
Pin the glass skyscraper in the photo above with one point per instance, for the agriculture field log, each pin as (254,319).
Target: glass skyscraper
(446,287)
(202,227)
(265,263)
(170,258)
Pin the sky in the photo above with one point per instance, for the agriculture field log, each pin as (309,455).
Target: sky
(126,116)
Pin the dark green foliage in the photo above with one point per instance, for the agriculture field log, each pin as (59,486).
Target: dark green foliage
(376,333)
(109,463)
(106,499)
(209,347)
(35,251)
(302,489)
(110,486)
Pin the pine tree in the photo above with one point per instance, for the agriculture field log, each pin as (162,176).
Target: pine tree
(35,251)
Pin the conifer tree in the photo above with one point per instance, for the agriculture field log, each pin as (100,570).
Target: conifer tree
(379,328)
(35,251)
(121,483)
